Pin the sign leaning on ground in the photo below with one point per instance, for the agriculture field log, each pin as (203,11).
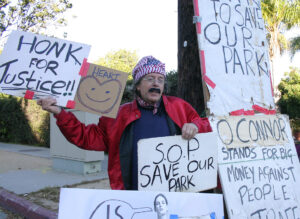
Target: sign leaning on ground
(35,66)
(100,90)
(176,165)
(262,181)
(234,50)
(138,205)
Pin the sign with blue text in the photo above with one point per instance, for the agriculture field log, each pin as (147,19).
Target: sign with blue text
(258,166)
(113,204)
(36,66)
(177,165)
(234,56)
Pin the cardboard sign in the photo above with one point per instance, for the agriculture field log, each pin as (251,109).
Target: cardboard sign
(242,131)
(260,182)
(234,56)
(113,204)
(174,164)
(35,66)
(100,90)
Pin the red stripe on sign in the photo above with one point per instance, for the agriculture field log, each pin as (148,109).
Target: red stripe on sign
(84,68)
(202,58)
(29,95)
(237,112)
(203,70)
(272,112)
(260,109)
(196,13)
(71,104)
(249,113)
(196,8)
(271,84)
(198,27)
(209,82)
(263,110)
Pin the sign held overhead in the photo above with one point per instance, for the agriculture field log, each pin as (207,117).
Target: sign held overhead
(36,66)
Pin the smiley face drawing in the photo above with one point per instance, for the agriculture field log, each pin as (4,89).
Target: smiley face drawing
(99,97)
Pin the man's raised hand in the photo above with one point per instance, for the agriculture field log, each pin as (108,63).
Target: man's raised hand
(49,104)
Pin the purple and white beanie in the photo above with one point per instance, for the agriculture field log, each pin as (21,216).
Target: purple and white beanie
(147,65)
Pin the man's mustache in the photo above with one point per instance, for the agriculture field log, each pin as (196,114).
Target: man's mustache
(155,90)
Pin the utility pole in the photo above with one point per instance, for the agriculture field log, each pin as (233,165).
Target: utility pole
(189,73)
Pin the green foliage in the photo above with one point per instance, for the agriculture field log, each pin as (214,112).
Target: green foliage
(39,121)
(279,15)
(289,101)
(23,121)
(295,125)
(172,83)
(128,94)
(295,45)
(32,15)
(276,12)
(122,60)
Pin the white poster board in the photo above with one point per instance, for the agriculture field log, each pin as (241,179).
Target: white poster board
(175,165)
(234,56)
(113,204)
(262,181)
(36,66)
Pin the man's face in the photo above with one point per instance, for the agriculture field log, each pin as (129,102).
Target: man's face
(151,87)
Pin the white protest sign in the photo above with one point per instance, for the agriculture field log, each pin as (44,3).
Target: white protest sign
(113,204)
(234,56)
(35,66)
(260,182)
(174,164)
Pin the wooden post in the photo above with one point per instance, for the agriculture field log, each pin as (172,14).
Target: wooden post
(189,74)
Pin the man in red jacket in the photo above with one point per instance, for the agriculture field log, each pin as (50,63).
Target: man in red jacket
(150,114)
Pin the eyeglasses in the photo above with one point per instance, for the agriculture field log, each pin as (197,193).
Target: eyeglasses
(151,80)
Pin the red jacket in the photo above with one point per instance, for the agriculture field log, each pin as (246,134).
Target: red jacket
(107,134)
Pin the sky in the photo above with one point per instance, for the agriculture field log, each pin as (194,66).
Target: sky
(149,27)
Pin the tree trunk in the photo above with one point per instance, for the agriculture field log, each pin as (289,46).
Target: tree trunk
(189,73)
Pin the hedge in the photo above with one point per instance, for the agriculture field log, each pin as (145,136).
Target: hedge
(23,122)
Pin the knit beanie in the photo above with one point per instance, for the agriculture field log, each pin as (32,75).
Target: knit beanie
(147,65)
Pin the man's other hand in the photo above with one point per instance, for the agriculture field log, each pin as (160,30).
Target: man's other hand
(189,130)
